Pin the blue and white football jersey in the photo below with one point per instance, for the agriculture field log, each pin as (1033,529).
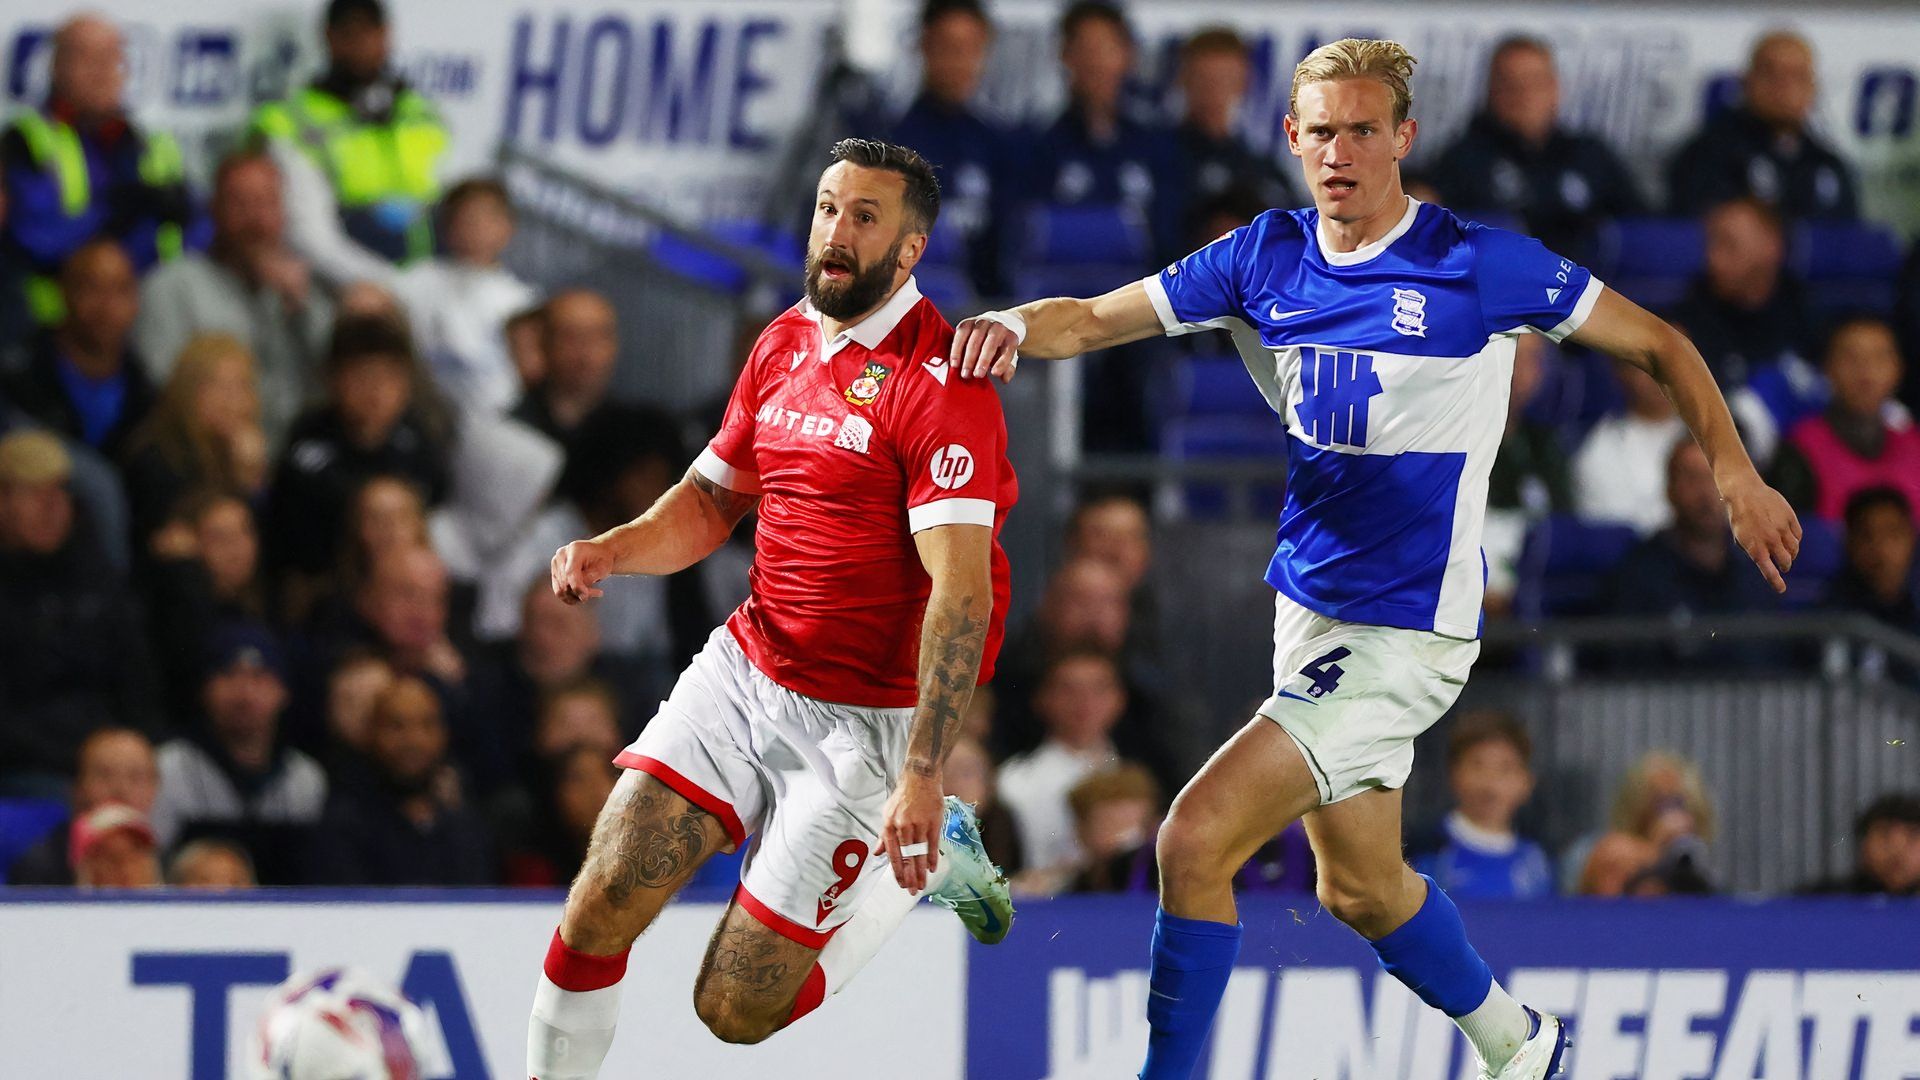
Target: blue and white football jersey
(1390,366)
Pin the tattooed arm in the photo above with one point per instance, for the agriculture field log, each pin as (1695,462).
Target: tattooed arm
(953,634)
(686,525)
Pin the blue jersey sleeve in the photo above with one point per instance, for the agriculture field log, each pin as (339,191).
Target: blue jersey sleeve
(1201,289)
(1522,284)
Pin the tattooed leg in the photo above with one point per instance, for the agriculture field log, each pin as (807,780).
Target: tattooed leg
(647,844)
(750,978)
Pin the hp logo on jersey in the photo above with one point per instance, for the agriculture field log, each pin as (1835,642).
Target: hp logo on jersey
(1336,388)
(952,467)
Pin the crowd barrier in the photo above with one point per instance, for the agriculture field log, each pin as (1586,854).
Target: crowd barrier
(130,988)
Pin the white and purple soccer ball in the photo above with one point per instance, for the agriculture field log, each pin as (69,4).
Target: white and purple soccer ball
(336,1024)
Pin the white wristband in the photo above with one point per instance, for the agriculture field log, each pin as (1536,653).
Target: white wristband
(1012,321)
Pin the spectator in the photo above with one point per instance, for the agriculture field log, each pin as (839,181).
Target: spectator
(360,150)
(204,433)
(970,777)
(368,425)
(116,765)
(1830,457)
(1745,312)
(1619,472)
(1114,529)
(526,337)
(1765,148)
(405,822)
(355,683)
(403,606)
(558,648)
(1096,152)
(206,571)
(1662,824)
(585,712)
(249,286)
(1115,815)
(1080,699)
(1880,578)
(582,346)
(1516,158)
(581,779)
(459,304)
(1690,569)
(233,773)
(82,379)
(976,160)
(1529,478)
(211,864)
(1215,68)
(78,169)
(1477,852)
(73,656)
(1085,605)
(1887,852)
(113,847)
(502,472)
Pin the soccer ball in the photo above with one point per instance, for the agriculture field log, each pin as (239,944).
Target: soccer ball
(336,1024)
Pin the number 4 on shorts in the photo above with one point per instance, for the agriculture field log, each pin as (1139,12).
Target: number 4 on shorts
(1326,672)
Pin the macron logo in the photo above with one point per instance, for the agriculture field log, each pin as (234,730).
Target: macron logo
(938,367)
(799,357)
(1277,315)
(1553,296)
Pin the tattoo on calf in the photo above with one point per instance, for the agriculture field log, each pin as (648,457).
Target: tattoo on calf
(654,840)
(745,958)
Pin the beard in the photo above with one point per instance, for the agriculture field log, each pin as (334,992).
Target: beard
(860,291)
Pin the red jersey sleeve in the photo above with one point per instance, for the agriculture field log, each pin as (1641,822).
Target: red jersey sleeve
(728,459)
(953,447)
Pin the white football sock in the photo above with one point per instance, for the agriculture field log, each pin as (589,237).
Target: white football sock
(881,911)
(1497,1028)
(570,1031)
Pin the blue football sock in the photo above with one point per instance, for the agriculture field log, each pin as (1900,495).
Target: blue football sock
(1430,953)
(1191,962)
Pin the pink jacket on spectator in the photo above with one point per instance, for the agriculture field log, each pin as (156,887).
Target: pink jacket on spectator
(1841,473)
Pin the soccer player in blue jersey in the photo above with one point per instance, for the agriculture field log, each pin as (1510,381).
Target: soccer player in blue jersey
(1382,330)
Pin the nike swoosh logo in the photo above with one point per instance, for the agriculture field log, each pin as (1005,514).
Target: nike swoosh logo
(1294,696)
(1277,315)
(993,921)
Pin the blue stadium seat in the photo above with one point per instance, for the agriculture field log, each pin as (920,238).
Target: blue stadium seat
(1650,260)
(1847,265)
(1081,250)
(947,246)
(722,272)
(23,822)
(1565,564)
(949,287)
(1217,386)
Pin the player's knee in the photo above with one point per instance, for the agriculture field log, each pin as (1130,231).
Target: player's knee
(1189,850)
(728,1021)
(1352,903)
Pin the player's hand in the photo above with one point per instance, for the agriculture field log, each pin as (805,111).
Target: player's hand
(982,346)
(1765,527)
(577,568)
(915,814)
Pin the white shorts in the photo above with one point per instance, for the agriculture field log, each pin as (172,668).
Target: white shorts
(1354,696)
(807,779)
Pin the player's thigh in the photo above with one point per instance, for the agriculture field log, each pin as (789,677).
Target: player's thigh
(1356,841)
(1253,787)
(751,976)
(647,843)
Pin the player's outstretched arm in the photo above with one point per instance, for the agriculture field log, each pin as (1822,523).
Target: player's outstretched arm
(953,635)
(1763,524)
(686,525)
(1052,329)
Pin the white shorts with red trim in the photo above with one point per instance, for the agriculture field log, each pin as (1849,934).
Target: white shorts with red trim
(806,779)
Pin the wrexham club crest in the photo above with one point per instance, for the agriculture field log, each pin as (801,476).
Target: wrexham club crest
(867,386)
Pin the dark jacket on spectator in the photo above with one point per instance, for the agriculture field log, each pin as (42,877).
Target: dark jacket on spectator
(976,163)
(40,390)
(1138,168)
(367,838)
(1738,154)
(73,657)
(1737,343)
(319,474)
(1560,190)
(45,863)
(1656,579)
(1217,166)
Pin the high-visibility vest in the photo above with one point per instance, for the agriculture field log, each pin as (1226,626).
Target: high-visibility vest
(55,147)
(367,163)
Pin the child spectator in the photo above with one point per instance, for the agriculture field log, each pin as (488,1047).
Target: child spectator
(1080,699)
(113,847)
(459,304)
(1887,858)
(1476,851)
(1115,816)
(1856,443)
(211,864)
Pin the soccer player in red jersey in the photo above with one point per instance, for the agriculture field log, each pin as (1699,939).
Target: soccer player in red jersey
(818,718)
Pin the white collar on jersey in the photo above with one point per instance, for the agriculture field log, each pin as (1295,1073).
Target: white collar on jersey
(869,332)
(1368,251)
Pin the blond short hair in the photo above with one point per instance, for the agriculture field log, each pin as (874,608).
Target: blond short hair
(1359,58)
(34,457)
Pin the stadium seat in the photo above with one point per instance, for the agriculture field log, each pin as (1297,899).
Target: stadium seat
(23,822)
(1847,265)
(1565,563)
(1216,386)
(700,263)
(1081,250)
(1650,260)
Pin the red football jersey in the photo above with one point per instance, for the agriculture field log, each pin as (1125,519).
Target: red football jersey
(854,445)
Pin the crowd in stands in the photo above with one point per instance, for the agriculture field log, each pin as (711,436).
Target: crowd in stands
(281,472)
